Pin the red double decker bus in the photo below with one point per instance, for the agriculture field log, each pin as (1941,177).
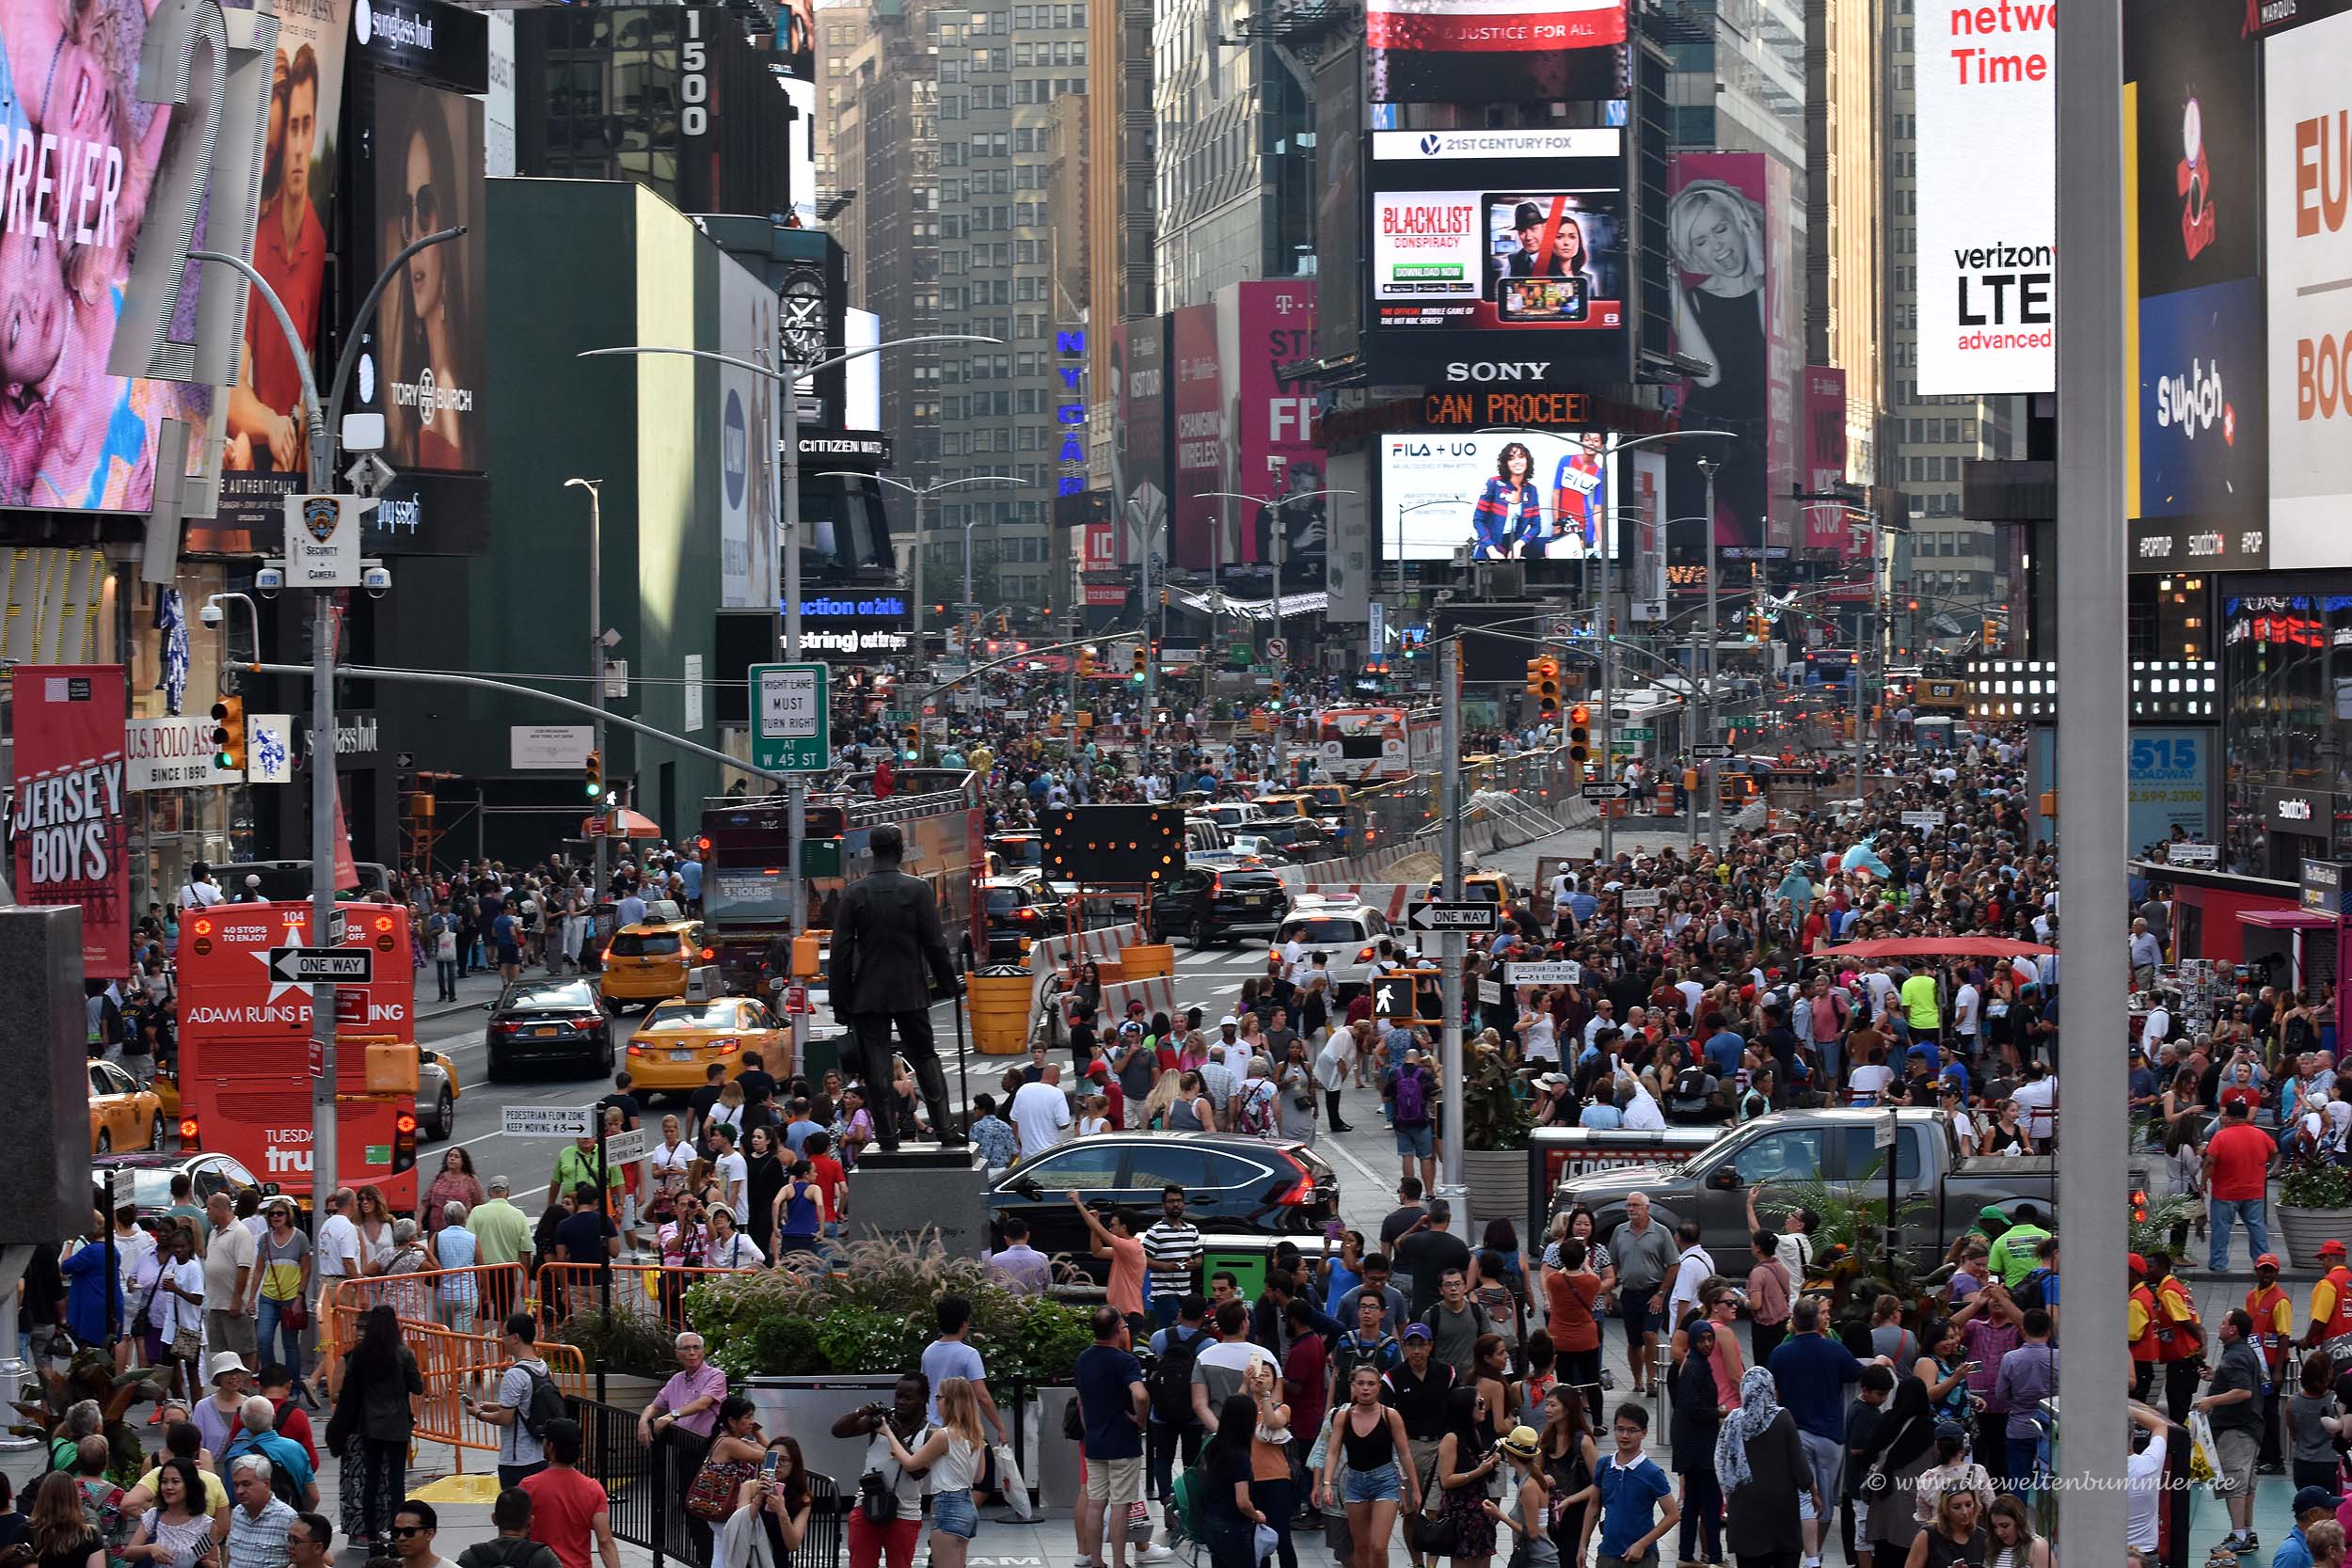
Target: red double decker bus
(246,1048)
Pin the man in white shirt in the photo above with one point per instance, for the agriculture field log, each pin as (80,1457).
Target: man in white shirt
(1696,1268)
(2036,1100)
(1967,1004)
(1041,1114)
(734,1173)
(2143,1479)
(200,891)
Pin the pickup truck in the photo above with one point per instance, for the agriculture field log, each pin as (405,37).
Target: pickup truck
(1940,1195)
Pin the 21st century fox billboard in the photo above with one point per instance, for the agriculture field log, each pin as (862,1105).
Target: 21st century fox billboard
(1988,197)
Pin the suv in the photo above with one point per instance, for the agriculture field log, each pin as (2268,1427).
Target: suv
(1346,931)
(1219,903)
(1020,908)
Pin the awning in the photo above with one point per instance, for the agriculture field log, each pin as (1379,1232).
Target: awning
(1934,947)
(621,824)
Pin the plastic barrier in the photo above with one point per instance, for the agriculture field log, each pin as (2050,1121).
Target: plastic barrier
(1001,1010)
(1158,995)
(1389,899)
(1147,960)
(416,1298)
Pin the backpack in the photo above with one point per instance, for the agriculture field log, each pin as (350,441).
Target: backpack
(1412,1098)
(2032,1292)
(1169,1383)
(1690,1084)
(546,1405)
(1257,1110)
(282,1484)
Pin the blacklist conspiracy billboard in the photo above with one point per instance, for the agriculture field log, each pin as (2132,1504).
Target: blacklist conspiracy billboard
(1494,51)
(2307,106)
(1988,197)
(1498,256)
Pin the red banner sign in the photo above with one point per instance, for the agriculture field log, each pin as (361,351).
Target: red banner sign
(69,818)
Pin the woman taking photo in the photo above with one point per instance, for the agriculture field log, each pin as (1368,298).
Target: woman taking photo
(1467,1464)
(1900,1449)
(951,1452)
(375,1232)
(176,1532)
(1945,1369)
(772,1511)
(728,1247)
(1694,1427)
(1370,1441)
(376,1414)
(1270,1457)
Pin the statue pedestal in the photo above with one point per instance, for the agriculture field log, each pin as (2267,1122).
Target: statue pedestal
(922,1186)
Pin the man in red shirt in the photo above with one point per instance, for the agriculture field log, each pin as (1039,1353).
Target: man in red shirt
(831,1181)
(290,251)
(568,1509)
(2237,1173)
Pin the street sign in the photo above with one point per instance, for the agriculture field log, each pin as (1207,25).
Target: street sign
(1639,898)
(1393,996)
(1566,972)
(1923,819)
(341,966)
(621,1148)
(1640,732)
(322,540)
(1883,1133)
(1561,629)
(1490,993)
(546,1121)
(1602,792)
(1710,749)
(121,1188)
(2193,855)
(792,720)
(1278,648)
(1471,915)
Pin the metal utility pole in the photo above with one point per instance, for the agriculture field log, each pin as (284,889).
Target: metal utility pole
(1450,944)
(1714,634)
(1699,766)
(1864,645)
(1608,697)
(595,668)
(2093,732)
(319,474)
(1150,664)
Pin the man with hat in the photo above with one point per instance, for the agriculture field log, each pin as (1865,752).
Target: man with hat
(2311,1504)
(2140,1329)
(1418,1387)
(2274,1332)
(2332,1298)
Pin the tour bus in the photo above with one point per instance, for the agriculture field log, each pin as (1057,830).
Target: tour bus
(1365,745)
(246,1048)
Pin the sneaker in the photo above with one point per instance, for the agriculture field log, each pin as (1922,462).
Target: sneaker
(1156,1553)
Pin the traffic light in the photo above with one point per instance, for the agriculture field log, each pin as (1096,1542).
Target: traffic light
(915,743)
(1137,663)
(1004,623)
(228,735)
(1086,661)
(1991,635)
(595,769)
(1274,697)
(1543,686)
(1579,735)
(403,1142)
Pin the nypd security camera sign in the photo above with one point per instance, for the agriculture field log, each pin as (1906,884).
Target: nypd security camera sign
(322,540)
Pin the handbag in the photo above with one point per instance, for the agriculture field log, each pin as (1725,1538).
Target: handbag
(1436,1534)
(711,1498)
(1073,1421)
(295,1315)
(876,1502)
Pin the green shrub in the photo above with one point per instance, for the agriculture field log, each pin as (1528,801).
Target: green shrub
(2316,1186)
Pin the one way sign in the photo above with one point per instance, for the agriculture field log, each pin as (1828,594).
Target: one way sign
(341,966)
(1471,916)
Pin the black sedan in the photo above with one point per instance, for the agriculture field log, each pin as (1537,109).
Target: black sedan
(1213,903)
(1239,1185)
(539,1021)
(1021,908)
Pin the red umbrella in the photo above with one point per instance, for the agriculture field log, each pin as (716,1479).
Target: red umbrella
(1935,947)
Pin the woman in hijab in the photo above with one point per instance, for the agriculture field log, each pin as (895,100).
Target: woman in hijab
(1899,1449)
(1697,1413)
(1766,1479)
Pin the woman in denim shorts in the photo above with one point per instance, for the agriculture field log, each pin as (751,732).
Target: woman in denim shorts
(952,1451)
(1368,1441)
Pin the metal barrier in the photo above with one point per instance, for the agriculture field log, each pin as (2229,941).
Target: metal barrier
(456,1365)
(645,1488)
(416,1299)
(657,1293)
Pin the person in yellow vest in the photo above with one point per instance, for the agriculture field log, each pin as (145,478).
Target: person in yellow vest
(2180,1336)
(2273,1337)
(2139,1328)
(2332,1298)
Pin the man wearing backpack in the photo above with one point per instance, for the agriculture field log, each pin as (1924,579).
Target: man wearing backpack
(1455,1325)
(528,1401)
(1173,1427)
(512,1548)
(1411,1091)
(292,1479)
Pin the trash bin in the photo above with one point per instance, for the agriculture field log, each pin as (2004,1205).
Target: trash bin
(1000,1010)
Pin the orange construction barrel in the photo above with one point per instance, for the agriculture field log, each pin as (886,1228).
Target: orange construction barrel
(1000,1013)
(1147,960)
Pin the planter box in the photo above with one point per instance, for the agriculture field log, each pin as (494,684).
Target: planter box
(2304,1230)
(1498,1190)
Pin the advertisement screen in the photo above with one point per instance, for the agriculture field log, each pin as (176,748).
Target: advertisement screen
(1494,51)
(70,816)
(2307,97)
(1988,199)
(2196,72)
(2202,446)
(82,151)
(262,460)
(433,376)
(1140,436)
(1824,457)
(1202,441)
(1734,282)
(1539,496)
(1261,329)
(747,434)
(1498,255)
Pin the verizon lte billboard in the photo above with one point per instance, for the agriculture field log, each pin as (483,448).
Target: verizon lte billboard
(1988,197)
(2307,105)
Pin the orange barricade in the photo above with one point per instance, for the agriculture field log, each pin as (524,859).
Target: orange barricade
(419,1300)
(456,1365)
(639,1290)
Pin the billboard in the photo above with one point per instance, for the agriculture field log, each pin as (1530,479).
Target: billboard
(2195,164)
(2307,98)
(1139,406)
(2171,773)
(1643,518)
(1988,199)
(433,380)
(1196,519)
(1532,496)
(1735,308)
(1498,256)
(747,440)
(262,418)
(2199,405)
(69,819)
(1824,458)
(1494,51)
(1261,329)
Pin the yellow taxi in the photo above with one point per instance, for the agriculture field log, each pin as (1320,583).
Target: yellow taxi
(122,1114)
(679,1042)
(648,962)
(1492,887)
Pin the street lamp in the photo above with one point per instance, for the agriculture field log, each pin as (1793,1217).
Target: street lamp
(922,493)
(788,499)
(595,487)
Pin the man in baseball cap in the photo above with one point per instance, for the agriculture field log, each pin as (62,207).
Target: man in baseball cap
(2332,1298)
(2274,1333)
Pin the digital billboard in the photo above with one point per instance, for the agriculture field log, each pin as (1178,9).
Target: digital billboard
(1498,256)
(1198,517)
(1736,311)
(2307,103)
(1494,51)
(2195,162)
(2199,409)
(1988,197)
(1532,496)
(262,459)
(1826,526)
(747,439)
(1262,327)
(1139,408)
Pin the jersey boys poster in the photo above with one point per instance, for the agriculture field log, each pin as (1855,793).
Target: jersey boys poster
(69,817)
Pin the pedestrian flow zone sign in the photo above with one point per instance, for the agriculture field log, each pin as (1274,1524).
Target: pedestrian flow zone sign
(546,1121)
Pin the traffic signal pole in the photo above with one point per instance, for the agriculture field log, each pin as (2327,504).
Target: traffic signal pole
(1608,689)
(1450,944)
(595,675)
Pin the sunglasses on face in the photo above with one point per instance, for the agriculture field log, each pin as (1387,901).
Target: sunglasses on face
(420,212)
(404,1532)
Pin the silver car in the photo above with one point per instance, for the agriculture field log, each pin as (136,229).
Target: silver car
(436,1094)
